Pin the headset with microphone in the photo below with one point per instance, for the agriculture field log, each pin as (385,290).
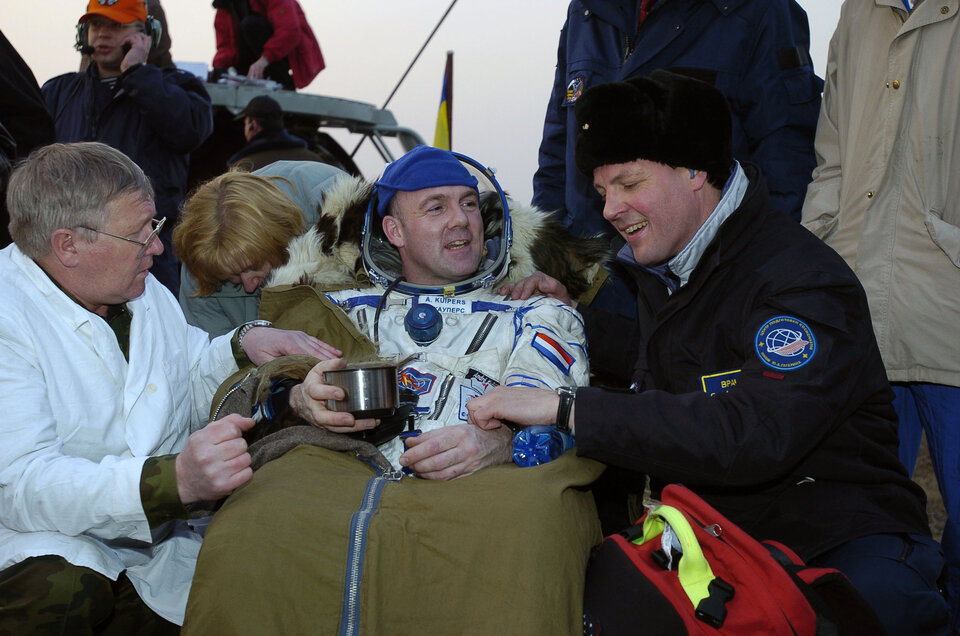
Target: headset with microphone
(151,27)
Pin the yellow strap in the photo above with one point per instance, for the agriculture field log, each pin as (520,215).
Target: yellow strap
(693,571)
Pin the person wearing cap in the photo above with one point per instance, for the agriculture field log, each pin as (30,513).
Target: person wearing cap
(428,208)
(105,444)
(430,309)
(267,139)
(160,54)
(155,116)
(757,380)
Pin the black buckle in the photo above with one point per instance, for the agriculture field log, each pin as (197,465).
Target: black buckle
(713,609)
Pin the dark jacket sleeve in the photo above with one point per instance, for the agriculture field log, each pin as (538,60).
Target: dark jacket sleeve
(767,426)
(22,107)
(175,102)
(549,181)
(777,105)
(613,342)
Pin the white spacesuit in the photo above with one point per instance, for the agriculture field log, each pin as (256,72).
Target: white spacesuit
(484,340)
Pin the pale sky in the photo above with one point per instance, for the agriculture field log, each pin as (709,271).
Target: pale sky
(504,62)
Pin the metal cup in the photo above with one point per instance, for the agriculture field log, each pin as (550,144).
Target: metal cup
(371,390)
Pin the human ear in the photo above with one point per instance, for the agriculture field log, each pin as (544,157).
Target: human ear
(393,231)
(698,178)
(63,245)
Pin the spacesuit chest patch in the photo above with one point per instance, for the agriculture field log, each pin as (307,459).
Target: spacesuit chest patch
(719,382)
(417,382)
(476,383)
(785,343)
(553,351)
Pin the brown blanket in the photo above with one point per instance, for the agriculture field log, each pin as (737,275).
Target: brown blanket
(502,551)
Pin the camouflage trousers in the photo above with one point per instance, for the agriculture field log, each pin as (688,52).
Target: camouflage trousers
(48,595)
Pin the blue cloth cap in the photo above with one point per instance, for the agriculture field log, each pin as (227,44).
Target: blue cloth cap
(423,167)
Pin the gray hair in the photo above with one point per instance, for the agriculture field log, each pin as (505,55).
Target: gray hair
(66,186)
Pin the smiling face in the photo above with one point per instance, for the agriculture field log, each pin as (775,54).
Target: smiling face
(438,232)
(655,208)
(112,272)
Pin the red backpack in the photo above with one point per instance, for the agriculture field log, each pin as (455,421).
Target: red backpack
(724,582)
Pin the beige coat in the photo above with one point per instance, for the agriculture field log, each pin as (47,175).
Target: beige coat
(886,190)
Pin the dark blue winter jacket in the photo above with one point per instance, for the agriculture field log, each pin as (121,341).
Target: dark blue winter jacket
(154,116)
(756,52)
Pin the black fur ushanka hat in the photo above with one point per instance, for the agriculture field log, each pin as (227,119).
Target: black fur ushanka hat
(666,118)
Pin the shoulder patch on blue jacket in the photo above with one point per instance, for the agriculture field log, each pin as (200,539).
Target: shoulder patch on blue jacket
(574,90)
(785,343)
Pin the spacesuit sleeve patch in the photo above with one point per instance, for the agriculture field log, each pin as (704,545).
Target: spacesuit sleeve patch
(553,351)
(719,382)
(785,343)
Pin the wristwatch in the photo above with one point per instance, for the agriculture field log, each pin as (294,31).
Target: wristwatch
(247,326)
(567,395)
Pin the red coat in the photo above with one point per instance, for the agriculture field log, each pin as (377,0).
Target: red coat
(292,39)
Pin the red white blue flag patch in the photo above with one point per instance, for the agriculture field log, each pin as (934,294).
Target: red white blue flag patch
(553,351)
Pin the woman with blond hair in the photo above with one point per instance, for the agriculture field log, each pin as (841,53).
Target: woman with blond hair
(234,231)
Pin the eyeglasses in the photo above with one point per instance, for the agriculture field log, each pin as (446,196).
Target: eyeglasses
(143,244)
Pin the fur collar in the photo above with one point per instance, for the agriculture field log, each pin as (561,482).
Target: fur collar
(328,254)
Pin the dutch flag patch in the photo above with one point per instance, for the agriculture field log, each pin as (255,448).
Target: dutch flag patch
(553,351)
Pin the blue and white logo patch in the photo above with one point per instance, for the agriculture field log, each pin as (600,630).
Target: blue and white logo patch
(785,343)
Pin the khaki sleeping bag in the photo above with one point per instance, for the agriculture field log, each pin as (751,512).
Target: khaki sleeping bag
(317,543)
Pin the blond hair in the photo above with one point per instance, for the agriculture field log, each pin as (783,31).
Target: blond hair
(233,223)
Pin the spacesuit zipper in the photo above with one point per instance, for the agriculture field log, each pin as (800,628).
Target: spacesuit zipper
(359,525)
(442,399)
(482,333)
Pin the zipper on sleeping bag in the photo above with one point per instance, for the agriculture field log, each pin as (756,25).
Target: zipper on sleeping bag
(359,525)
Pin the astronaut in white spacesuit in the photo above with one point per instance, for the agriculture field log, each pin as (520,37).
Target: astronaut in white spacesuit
(319,541)
(435,304)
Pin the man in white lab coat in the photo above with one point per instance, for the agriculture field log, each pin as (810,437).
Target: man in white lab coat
(104,389)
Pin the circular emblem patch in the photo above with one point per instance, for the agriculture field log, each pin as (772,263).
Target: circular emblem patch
(785,343)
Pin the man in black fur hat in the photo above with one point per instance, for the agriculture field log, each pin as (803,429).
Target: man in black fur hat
(757,381)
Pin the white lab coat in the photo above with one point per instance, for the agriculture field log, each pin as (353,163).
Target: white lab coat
(78,421)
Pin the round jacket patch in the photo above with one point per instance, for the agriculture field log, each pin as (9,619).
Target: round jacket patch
(785,343)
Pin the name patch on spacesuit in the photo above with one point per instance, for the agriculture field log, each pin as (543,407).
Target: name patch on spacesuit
(719,382)
(553,351)
(476,383)
(447,305)
(785,343)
